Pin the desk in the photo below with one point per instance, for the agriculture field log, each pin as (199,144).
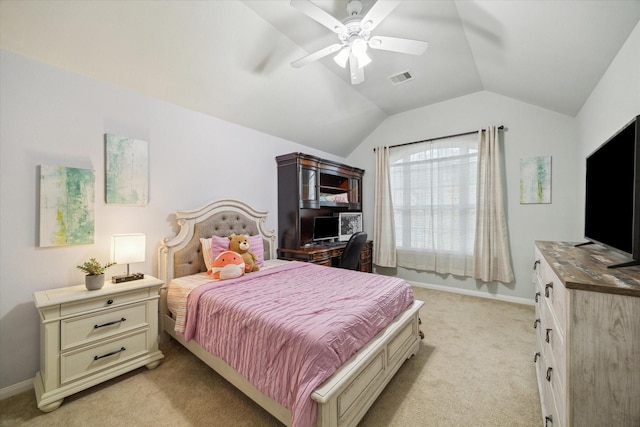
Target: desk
(327,255)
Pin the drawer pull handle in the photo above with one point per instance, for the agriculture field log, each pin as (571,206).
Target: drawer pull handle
(535,357)
(546,289)
(549,370)
(535,264)
(110,323)
(546,338)
(109,302)
(535,324)
(548,419)
(116,352)
(537,296)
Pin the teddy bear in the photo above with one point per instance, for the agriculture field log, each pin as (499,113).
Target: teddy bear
(240,243)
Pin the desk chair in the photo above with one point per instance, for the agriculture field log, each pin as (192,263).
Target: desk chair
(351,254)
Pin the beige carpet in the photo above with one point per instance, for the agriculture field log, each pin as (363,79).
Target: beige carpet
(475,368)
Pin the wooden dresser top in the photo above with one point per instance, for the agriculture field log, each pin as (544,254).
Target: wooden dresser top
(585,268)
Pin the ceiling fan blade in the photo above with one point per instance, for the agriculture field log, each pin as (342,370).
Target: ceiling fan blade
(316,13)
(394,44)
(316,55)
(377,13)
(357,73)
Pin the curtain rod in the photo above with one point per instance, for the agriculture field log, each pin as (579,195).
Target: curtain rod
(501,127)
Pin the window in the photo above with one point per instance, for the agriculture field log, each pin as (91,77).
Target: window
(433,186)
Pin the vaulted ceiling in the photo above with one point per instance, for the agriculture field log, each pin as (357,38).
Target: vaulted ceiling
(231,59)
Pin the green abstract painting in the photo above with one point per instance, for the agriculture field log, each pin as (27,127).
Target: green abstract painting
(535,180)
(127,171)
(67,198)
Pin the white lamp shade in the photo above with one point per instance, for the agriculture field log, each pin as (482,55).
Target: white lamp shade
(342,57)
(128,248)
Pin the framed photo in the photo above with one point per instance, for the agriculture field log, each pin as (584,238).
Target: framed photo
(349,223)
(126,170)
(67,200)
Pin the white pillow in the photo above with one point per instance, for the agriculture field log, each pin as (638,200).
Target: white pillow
(206,251)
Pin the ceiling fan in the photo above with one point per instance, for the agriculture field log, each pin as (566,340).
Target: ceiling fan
(354,34)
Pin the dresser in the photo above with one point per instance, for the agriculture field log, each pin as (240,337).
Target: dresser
(587,325)
(87,337)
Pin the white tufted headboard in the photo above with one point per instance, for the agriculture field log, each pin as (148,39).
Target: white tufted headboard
(182,255)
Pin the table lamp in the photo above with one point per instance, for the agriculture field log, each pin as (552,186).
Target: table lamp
(127,249)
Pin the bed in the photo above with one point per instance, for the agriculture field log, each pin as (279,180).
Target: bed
(345,395)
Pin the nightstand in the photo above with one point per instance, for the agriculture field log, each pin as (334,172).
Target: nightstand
(87,337)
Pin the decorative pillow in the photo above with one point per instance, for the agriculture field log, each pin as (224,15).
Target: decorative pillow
(257,247)
(219,244)
(206,252)
(227,265)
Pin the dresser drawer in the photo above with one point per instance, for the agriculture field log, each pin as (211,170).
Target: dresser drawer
(553,345)
(85,329)
(552,290)
(78,363)
(552,417)
(102,302)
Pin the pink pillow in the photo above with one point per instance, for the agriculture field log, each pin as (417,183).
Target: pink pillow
(257,247)
(219,244)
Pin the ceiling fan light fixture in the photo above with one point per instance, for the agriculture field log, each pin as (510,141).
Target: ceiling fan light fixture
(363,59)
(342,57)
(359,50)
(359,46)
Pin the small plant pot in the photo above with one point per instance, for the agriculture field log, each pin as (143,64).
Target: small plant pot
(94,282)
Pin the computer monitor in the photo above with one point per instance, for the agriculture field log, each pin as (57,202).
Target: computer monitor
(325,228)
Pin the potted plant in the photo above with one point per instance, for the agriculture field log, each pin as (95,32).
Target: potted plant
(94,279)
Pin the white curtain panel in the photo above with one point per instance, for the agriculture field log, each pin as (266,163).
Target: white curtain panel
(384,237)
(491,255)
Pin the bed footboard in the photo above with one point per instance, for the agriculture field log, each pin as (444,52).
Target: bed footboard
(347,395)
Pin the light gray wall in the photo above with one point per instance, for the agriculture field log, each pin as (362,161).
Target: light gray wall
(612,104)
(54,117)
(530,132)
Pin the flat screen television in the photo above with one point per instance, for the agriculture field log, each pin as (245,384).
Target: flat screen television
(325,228)
(612,199)
(349,224)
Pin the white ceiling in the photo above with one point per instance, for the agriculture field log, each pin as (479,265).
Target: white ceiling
(230,59)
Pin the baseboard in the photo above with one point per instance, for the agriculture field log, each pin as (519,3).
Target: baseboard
(12,390)
(517,300)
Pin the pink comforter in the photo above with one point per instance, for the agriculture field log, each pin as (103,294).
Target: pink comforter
(289,328)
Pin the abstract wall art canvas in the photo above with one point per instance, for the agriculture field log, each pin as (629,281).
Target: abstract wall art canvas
(535,180)
(127,171)
(67,198)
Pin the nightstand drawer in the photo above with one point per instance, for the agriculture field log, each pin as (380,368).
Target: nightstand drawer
(86,329)
(76,364)
(102,302)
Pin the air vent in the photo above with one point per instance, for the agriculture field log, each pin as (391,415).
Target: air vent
(401,78)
